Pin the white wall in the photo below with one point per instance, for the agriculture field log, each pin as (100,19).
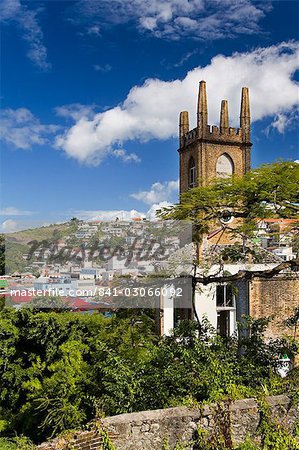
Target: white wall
(205,304)
(168,313)
(205,299)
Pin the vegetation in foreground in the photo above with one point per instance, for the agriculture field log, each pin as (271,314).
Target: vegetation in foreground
(60,369)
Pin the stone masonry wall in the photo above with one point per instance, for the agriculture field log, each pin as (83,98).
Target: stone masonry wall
(205,156)
(147,430)
(277,298)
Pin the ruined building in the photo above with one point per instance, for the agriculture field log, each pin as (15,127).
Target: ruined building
(207,152)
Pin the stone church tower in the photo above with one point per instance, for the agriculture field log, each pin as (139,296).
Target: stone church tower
(209,152)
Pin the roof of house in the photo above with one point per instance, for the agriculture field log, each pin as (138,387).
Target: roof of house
(253,254)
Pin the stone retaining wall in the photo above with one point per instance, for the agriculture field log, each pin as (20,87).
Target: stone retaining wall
(147,430)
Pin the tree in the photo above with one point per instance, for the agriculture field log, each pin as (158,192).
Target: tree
(293,322)
(2,266)
(60,370)
(270,191)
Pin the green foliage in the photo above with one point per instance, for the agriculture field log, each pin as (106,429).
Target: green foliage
(16,443)
(48,232)
(22,242)
(49,302)
(178,445)
(268,191)
(248,444)
(290,384)
(59,370)
(57,396)
(271,434)
(239,253)
(14,260)
(274,436)
(107,443)
(257,360)
(221,435)
(166,445)
(293,322)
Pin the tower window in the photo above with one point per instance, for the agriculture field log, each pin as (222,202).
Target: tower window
(192,173)
(224,166)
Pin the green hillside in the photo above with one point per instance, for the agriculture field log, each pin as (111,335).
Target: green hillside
(49,232)
(17,243)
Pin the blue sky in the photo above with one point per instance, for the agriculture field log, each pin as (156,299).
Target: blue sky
(91,92)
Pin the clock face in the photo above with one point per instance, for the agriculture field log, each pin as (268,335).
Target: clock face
(226,216)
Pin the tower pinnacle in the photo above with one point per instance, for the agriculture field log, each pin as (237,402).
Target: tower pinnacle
(202,109)
(184,125)
(245,114)
(224,122)
(210,151)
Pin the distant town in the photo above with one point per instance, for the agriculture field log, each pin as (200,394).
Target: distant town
(81,261)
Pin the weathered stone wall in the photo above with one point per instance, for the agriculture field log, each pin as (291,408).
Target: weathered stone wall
(206,144)
(205,156)
(276,297)
(147,430)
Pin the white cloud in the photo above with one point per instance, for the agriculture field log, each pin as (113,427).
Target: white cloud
(13,11)
(76,111)
(102,68)
(151,110)
(159,192)
(174,19)
(283,121)
(12,211)
(185,58)
(9,225)
(126,157)
(280,122)
(121,214)
(109,214)
(22,129)
(152,212)
(94,30)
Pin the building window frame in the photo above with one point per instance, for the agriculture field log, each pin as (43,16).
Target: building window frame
(225,297)
(225,309)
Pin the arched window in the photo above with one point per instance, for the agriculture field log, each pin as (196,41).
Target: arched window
(192,173)
(224,166)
